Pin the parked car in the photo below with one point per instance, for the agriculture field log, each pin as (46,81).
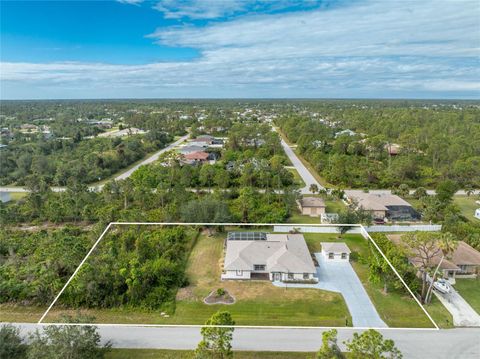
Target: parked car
(442,286)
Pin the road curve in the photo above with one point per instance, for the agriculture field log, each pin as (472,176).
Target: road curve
(452,343)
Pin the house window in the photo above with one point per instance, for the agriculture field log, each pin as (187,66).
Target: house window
(344,255)
(259,267)
(306,275)
(239,273)
(330,255)
(290,275)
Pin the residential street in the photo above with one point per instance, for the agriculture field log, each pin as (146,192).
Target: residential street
(301,169)
(423,344)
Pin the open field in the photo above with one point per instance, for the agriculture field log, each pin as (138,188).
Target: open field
(257,302)
(174,354)
(467,206)
(469,289)
(396,309)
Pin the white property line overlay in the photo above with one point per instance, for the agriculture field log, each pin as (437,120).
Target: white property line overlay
(363,232)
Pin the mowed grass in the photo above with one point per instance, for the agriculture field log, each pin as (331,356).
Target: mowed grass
(175,354)
(467,206)
(469,289)
(257,302)
(395,308)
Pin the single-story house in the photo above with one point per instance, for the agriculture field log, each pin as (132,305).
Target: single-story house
(311,206)
(276,257)
(335,251)
(464,261)
(196,157)
(383,205)
(477,213)
(190,149)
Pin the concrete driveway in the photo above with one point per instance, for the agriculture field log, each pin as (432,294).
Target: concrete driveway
(463,314)
(340,277)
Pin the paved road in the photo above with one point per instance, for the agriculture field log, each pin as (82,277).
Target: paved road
(121,176)
(423,344)
(463,314)
(301,169)
(152,158)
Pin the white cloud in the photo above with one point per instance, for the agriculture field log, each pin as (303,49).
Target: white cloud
(370,49)
(199,9)
(130,2)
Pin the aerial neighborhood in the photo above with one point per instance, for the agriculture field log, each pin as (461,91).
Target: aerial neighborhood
(244,211)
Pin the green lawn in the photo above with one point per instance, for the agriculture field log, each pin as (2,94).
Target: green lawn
(395,308)
(469,289)
(257,302)
(467,206)
(298,180)
(174,354)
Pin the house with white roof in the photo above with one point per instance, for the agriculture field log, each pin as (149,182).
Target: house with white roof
(275,257)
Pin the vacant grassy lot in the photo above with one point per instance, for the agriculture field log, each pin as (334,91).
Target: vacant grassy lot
(469,289)
(467,206)
(396,309)
(175,354)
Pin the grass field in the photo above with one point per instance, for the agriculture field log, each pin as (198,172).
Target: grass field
(298,180)
(396,309)
(257,302)
(467,206)
(175,354)
(469,289)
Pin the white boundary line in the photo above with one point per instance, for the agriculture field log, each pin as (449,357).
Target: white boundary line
(363,232)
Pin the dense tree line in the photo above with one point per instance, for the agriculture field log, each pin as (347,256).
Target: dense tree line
(88,160)
(435,144)
(35,265)
(133,267)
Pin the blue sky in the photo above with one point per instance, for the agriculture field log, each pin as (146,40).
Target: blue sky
(240,48)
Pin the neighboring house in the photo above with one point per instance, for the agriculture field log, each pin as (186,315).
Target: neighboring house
(275,257)
(383,205)
(345,132)
(335,251)
(393,149)
(311,206)
(463,262)
(190,149)
(477,213)
(196,157)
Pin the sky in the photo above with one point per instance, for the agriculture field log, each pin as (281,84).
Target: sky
(240,49)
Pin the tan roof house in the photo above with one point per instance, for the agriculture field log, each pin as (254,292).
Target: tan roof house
(311,206)
(464,261)
(383,205)
(276,257)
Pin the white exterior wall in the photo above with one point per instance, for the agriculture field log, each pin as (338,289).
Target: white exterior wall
(337,256)
(231,274)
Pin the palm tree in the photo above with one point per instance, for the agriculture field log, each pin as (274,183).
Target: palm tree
(447,244)
(313,188)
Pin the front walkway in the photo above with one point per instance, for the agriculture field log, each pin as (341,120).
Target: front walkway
(463,314)
(340,277)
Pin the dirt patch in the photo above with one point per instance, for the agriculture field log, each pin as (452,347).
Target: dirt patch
(219,297)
